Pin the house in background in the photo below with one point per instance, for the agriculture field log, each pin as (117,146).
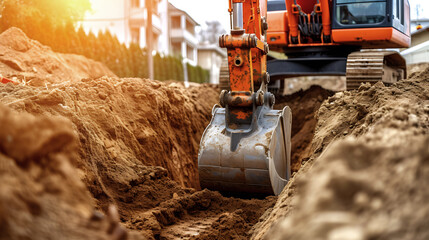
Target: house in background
(419,50)
(416,22)
(183,38)
(210,57)
(173,29)
(127,20)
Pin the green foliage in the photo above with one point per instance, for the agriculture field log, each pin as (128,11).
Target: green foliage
(197,74)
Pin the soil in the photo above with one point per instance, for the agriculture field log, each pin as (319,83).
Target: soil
(304,105)
(41,195)
(366,176)
(123,141)
(29,62)
(99,157)
(332,83)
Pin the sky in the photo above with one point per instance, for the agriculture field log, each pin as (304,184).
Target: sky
(209,10)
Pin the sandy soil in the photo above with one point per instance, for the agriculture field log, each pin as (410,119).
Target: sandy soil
(366,176)
(304,105)
(29,62)
(41,194)
(332,83)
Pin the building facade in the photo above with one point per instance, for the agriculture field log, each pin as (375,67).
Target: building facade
(183,38)
(210,57)
(419,50)
(173,29)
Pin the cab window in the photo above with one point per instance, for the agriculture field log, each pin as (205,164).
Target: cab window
(361,11)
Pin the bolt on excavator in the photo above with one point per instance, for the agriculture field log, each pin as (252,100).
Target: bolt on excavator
(247,145)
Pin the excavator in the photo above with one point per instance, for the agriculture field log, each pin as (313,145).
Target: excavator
(247,145)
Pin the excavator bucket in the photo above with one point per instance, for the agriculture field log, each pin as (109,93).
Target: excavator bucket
(251,161)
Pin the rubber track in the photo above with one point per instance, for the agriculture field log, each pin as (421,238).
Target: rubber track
(363,67)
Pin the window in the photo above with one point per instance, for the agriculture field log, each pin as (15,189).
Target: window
(190,27)
(177,48)
(398,10)
(395,9)
(175,22)
(401,11)
(190,52)
(155,40)
(135,35)
(361,11)
(135,3)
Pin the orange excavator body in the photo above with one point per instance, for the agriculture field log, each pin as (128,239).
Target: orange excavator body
(391,30)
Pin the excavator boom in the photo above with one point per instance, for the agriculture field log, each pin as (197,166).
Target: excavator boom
(246,147)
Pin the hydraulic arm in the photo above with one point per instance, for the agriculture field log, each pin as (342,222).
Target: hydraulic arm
(246,147)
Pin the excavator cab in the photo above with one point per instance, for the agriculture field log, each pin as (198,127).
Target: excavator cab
(246,147)
(339,38)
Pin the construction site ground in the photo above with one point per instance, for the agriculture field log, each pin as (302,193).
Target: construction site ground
(87,155)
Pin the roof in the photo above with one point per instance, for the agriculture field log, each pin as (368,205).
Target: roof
(420,31)
(171,7)
(416,48)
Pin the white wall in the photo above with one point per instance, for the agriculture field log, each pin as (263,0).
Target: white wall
(108,14)
(211,60)
(115,15)
(417,54)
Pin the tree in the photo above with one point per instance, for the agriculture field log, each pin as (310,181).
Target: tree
(22,13)
(212,32)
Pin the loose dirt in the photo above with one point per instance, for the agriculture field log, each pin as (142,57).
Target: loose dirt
(127,129)
(84,156)
(304,105)
(126,126)
(41,196)
(30,62)
(366,176)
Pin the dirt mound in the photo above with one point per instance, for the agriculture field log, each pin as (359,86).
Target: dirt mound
(127,129)
(133,143)
(373,149)
(136,143)
(416,68)
(41,196)
(34,64)
(126,125)
(304,105)
(123,124)
(342,200)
